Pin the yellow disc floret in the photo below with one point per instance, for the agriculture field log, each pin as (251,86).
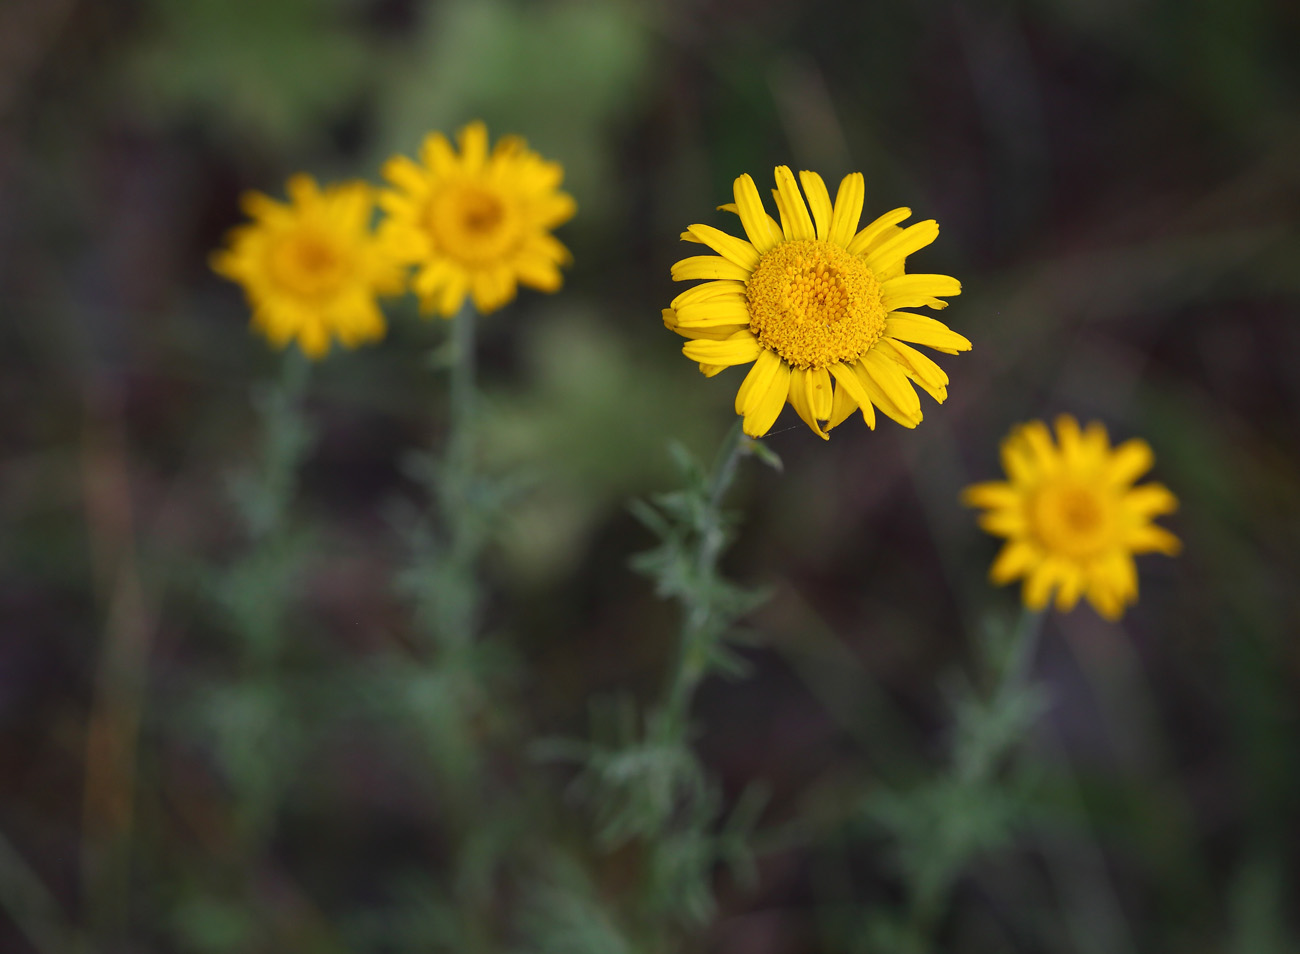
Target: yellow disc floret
(475,222)
(472,224)
(312,268)
(821,309)
(1072,517)
(814,304)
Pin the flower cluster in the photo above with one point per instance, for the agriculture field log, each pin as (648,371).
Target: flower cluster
(820,309)
(475,223)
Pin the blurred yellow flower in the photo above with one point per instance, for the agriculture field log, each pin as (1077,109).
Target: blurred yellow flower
(311,268)
(476,223)
(813,299)
(1072,518)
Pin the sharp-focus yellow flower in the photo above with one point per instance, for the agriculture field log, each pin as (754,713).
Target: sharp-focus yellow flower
(813,300)
(1071,516)
(311,268)
(476,223)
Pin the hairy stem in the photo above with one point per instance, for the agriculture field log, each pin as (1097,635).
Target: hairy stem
(698,634)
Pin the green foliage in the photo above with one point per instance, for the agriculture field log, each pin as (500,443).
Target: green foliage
(937,827)
(639,773)
(263,70)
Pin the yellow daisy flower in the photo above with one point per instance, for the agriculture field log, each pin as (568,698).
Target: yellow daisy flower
(813,300)
(1072,518)
(477,223)
(311,268)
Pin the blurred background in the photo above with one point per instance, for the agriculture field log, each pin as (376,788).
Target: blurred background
(1119,188)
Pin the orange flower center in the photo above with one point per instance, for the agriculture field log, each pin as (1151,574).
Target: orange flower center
(472,223)
(814,304)
(1074,520)
(309,264)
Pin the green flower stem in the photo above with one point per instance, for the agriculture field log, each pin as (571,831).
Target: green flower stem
(987,735)
(698,633)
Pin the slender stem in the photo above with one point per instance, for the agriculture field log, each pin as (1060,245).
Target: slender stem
(464,387)
(457,493)
(697,634)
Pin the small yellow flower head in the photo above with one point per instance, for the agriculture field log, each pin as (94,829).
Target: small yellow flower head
(477,223)
(311,268)
(1071,516)
(813,303)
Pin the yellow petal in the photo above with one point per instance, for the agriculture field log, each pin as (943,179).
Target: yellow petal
(740,348)
(799,226)
(715,311)
(991,494)
(758,379)
(894,250)
(912,291)
(437,154)
(1069,440)
(922,330)
(863,241)
(849,383)
(708,266)
(893,382)
(1130,461)
(729,247)
(848,209)
(1014,560)
(765,407)
(918,367)
(803,397)
(753,217)
(1150,538)
(1150,500)
(819,200)
(708,290)
(473,146)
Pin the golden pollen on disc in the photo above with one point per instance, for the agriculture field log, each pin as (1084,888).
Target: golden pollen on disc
(1072,519)
(814,304)
(471,223)
(308,264)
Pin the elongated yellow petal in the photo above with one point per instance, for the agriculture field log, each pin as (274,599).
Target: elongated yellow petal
(991,494)
(911,291)
(893,382)
(715,311)
(1150,500)
(708,290)
(708,266)
(920,368)
(894,250)
(800,225)
(740,348)
(757,380)
(765,407)
(753,216)
(848,209)
(923,330)
(1130,461)
(819,200)
(803,398)
(1014,560)
(847,381)
(729,247)
(863,241)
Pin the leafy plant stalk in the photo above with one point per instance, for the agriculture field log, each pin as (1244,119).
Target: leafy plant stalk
(254,732)
(698,634)
(972,805)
